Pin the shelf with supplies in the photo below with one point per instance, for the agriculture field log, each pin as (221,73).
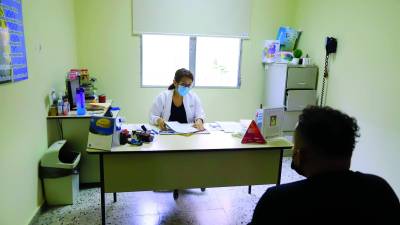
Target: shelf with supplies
(92,109)
(291,86)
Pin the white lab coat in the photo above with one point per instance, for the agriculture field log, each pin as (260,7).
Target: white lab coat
(162,107)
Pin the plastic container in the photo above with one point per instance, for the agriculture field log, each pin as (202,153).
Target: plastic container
(60,107)
(59,172)
(80,101)
(66,107)
(117,131)
(102,98)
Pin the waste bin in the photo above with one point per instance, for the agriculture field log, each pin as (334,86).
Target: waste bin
(60,174)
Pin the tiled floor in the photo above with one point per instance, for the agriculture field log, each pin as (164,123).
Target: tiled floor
(215,206)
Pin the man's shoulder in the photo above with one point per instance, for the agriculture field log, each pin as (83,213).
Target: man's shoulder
(362,182)
(369,180)
(353,195)
(369,177)
(328,182)
(375,184)
(288,189)
(277,198)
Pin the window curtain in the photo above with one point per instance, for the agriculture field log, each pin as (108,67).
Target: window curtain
(226,18)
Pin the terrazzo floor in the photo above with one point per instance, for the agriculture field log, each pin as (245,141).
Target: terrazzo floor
(215,206)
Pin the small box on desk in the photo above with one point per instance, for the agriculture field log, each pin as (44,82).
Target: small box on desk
(269,121)
(101,133)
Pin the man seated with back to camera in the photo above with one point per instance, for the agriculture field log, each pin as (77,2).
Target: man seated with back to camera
(331,193)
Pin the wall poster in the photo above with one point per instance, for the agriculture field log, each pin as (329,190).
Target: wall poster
(13,64)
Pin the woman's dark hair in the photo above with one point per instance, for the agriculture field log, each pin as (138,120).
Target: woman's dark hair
(179,74)
(329,132)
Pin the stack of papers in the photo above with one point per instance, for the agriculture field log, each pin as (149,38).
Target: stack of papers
(173,128)
(181,128)
(230,127)
(131,126)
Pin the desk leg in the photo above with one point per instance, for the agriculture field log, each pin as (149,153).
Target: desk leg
(115,196)
(103,207)
(278,182)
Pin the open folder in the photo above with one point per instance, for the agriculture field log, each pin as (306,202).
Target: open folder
(181,128)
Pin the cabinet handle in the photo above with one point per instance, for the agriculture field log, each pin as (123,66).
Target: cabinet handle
(302,83)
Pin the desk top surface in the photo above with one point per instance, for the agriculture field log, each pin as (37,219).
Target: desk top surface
(214,141)
(96,109)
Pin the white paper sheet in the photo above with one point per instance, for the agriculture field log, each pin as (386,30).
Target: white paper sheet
(229,127)
(130,126)
(182,128)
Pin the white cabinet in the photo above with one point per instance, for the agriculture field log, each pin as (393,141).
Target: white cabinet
(291,86)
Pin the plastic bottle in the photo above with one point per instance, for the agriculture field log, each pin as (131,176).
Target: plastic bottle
(80,101)
(60,107)
(117,132)
(66,107)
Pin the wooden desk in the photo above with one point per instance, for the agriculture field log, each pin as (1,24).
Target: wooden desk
(178,162)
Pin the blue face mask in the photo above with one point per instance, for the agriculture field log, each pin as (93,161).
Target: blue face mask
(182,90)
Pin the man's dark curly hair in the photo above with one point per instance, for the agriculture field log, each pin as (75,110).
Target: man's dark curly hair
(329,132)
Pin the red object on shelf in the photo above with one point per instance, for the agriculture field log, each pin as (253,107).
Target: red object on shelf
(253,135)
(102,98)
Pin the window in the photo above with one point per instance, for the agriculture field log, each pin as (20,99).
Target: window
(214,61)
(217,62)
(162,55)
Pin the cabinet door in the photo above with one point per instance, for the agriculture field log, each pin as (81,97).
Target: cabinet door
(275,83)
(299,99)
(301,78)
(290,121)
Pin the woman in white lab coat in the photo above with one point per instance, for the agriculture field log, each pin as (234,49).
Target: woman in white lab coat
(178,103)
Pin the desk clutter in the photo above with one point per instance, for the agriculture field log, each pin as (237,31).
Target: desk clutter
(247,130)
(135,137)
(283,49)
(107,131)
(78,97)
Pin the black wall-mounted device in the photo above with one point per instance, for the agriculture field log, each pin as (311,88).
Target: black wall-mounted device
(331,45)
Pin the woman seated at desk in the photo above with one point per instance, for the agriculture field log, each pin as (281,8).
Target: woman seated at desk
(178,103)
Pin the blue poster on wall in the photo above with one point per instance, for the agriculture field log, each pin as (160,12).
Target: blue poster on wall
(13,64)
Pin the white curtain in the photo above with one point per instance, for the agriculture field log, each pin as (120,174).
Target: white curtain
(229,18)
